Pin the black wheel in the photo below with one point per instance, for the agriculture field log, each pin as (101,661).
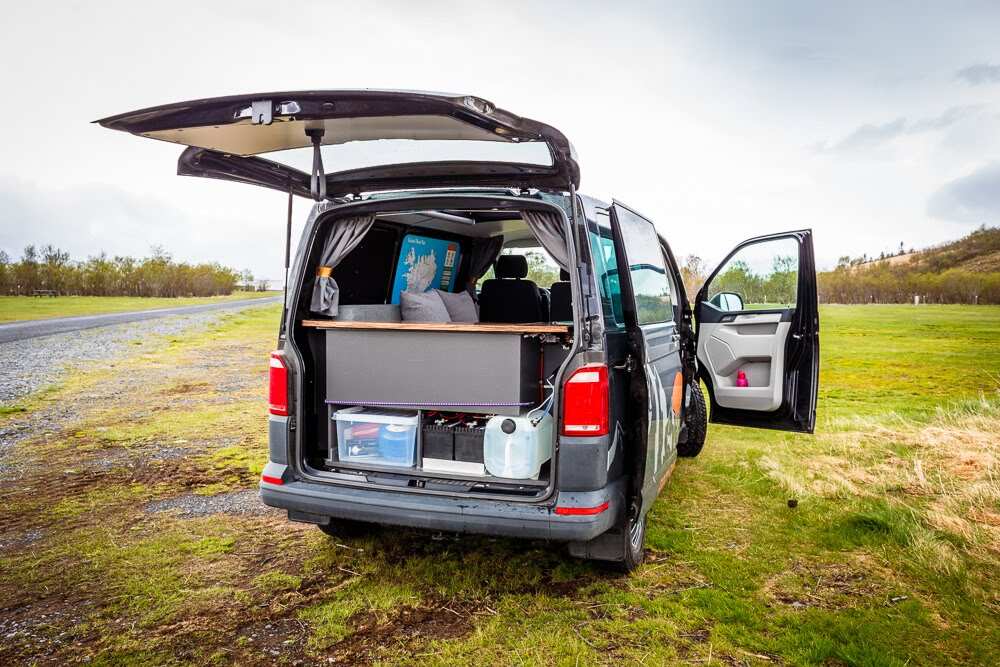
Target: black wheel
(347,528)
(621,549)
(695,424)
(634,543)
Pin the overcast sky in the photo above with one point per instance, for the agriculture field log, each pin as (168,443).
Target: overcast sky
(873,125)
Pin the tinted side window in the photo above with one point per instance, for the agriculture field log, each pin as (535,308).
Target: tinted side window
(763,275)
(602,249)
(654,301)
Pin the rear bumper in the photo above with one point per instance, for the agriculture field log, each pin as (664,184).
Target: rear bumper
(317,503)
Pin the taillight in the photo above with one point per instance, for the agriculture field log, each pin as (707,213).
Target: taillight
(277,394)
(582,511)
(585,401)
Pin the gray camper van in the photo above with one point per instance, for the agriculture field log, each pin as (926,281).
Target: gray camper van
(468,344)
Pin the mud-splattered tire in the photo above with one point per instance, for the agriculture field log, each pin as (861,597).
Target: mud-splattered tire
(633,546)
(348,528)
(695,424)
(621,549)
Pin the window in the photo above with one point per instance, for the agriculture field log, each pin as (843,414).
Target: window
(361,154)
(542,269)
(760,276)
(602,248)
(654,301)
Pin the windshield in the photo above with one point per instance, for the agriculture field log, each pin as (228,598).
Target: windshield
(360,154)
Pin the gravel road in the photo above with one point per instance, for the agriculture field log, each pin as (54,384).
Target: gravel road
(35,328)
(30,364)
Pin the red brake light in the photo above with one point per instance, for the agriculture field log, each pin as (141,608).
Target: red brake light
(277,395)
(585,401)
(271,480)
(582,511)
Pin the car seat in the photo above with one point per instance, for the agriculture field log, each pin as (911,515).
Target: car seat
(543,295)
(509,297)
(561,296)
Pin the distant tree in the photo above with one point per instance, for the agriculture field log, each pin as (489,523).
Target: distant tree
(781,285)
(52,272)
(246,280)
(541,270)
(26,272)
(157,275)
(5,273)
(693,274)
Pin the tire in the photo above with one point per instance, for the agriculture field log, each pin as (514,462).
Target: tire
(348,528)
(621,549)
(695,424)
(633,545)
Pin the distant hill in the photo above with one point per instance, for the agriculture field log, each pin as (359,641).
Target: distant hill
(978,252)
(962,271)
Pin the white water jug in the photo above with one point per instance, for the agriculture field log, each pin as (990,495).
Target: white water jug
(516,448)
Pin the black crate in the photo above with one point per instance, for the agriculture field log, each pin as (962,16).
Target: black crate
(469,442)
(438,441)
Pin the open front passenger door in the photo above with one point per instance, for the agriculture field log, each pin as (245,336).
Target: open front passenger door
(758,334)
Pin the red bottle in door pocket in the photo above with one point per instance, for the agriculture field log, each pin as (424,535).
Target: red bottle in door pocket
(741,379)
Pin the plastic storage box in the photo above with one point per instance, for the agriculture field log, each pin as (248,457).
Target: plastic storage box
(377,436)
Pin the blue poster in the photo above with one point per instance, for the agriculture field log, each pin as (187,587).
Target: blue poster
(425,263)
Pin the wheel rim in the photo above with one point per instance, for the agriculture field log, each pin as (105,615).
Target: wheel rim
(635,532)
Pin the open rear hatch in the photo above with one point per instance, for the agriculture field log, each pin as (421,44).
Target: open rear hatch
(466,141)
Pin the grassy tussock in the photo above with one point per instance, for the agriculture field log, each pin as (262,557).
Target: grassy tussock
(933,488)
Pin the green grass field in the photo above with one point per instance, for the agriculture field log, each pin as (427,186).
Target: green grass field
(13,308)
(890,556)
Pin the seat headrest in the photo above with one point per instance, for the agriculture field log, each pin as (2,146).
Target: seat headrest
(511,266)
(563,275)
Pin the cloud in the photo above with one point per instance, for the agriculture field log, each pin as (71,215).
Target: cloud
(871,136)
(88,219)
(979,74)
(972,198)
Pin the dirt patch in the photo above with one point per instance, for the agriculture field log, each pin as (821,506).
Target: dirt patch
(41,631)
(186,388)
(411,626)
(829,586)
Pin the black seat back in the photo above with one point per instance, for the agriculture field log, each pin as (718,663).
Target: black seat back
(561,297)
(546,299)
(508,297)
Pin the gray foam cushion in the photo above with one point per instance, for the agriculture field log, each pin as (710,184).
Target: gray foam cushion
(423,307)
(369,313)
(461,307)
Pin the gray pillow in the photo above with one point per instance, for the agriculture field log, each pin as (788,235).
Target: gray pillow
(423,307)
(461,307)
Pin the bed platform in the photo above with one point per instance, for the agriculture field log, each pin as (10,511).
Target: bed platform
(474,368)
(479,327)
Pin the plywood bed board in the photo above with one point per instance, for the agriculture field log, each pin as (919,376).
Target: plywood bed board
(479,327)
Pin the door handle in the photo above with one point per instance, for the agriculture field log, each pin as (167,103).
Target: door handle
(628,366)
